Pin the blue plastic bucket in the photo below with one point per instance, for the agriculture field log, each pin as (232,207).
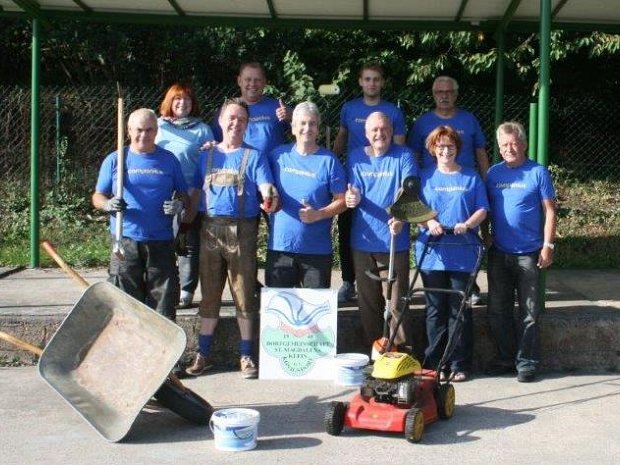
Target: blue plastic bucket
(350,369)
(235,429)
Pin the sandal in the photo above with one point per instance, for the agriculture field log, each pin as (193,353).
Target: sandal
(459,377)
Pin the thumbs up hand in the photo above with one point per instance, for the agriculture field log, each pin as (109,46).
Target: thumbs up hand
(282,112)
(307,214)
(352,197)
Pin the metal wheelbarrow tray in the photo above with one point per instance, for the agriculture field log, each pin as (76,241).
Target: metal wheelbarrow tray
(109,356)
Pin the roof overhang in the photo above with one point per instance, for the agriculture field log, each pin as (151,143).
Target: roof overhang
(461,15)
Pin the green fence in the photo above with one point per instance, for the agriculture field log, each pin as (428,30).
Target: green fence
(78,127)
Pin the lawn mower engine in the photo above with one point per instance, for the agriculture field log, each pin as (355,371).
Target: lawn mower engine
(393,379)
(397,396)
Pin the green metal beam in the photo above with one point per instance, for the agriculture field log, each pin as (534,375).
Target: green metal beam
(533,131)
(31,7)
(83,6)
(558,7)
(365,4)
(272,9)
(508,14)
(544,82)
(34,143)
(459,14)
(176,7)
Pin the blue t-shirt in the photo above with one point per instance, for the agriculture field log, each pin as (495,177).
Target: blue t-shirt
(463,122)
(184,143)
(378,179)
(222,194)
(314,178)
(516,196)
(455,197)
(149,180)
(353,117)
(264,132)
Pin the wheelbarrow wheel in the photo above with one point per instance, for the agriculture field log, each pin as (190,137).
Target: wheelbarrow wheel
(184,402)
(446,400)
(414,425)
(334,418)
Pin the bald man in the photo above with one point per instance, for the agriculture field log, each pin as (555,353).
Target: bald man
(148,272)
(375,173)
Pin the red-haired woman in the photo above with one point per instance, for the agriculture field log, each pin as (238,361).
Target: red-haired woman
(182,132)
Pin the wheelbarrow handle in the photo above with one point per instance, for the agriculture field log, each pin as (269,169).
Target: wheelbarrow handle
(21,344)
(51,251)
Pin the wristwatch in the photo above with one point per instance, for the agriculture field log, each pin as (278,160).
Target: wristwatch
(549,245)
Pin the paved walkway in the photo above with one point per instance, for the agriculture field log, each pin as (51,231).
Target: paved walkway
(561,420)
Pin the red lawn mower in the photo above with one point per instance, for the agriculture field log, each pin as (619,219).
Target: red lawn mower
(398,395)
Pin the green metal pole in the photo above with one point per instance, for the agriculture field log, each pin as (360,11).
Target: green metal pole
(499,87)
(533,131)
(34,145)
(544,80)
(58,157)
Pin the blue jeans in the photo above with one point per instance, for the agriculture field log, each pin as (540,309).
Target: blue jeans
(441,320)
(517,341)
(189,265)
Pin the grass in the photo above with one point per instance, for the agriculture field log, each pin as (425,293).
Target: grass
(588,225)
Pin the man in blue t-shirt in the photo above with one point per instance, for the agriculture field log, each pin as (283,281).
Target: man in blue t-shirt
(269,118)
(351,135)
(523,223)
(375,174)
(148,271)
(473,152)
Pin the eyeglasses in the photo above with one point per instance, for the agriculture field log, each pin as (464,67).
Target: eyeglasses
(449,148)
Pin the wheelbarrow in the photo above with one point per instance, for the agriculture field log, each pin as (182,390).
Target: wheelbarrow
(110,355)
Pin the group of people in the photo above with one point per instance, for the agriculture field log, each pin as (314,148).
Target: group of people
(212,183)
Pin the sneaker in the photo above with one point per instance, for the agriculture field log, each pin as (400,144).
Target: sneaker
(186,300)
(249,370)
(199,366)
(526,376)
(346,292)
(179,371)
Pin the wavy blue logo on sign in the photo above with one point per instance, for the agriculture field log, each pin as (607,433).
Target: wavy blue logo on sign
(297,341)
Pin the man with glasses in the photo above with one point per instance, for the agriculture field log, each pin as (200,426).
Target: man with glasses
(473,152)
(351,135)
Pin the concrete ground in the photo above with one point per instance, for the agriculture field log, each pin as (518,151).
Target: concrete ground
(563,418)
(560,419)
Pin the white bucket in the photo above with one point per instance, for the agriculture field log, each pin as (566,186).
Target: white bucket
(235,429)
(350,369)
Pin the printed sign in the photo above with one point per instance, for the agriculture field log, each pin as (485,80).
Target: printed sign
(298,333)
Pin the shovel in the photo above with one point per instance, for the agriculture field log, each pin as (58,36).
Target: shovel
(117,246)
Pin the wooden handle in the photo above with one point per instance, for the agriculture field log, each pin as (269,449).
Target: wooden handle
(21,344)
(51,251)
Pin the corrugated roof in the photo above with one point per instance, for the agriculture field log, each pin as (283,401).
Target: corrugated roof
(440,14)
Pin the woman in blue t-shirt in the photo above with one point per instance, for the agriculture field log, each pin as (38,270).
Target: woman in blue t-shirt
(182,132)
(458,195)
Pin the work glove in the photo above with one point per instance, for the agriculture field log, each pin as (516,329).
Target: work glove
(173,207)
(115,204)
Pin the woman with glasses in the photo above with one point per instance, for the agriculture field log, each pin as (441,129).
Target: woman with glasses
(459,196)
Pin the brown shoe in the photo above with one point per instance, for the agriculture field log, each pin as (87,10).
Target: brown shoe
(199,366)
(249,370)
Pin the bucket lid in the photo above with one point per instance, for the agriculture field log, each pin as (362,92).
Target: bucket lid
(236,416)
(352,359)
